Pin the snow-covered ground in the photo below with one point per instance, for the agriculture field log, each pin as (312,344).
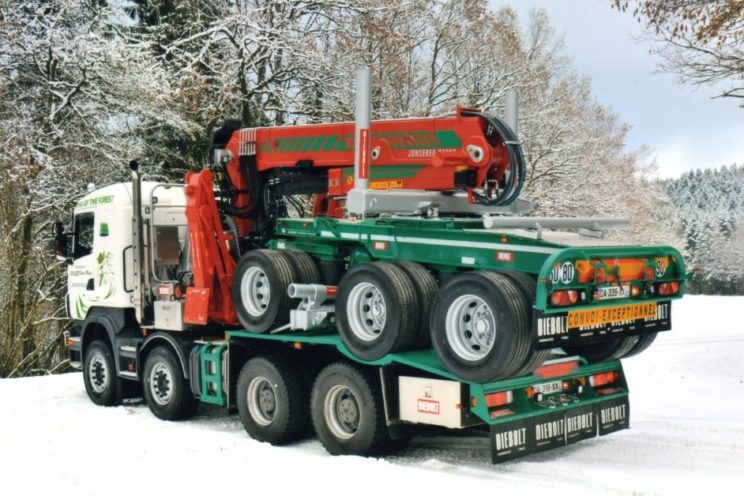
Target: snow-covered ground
(686,437)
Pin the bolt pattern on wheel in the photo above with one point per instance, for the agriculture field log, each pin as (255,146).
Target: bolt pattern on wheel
(255,291)
(366,310)
(471,327)
(99,374)
(161,384)
(342,412)
(261,400)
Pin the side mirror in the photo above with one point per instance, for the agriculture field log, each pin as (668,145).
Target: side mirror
(61,242)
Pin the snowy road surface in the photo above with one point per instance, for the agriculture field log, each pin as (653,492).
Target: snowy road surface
(686,437)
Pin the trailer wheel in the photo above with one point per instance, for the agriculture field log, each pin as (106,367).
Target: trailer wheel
(527,286)
(272,400)
(259,290)
(99,374)
(610,349)
(348,413)
(644,341)
(375,309)
(303,266)
(426,288)
(167,392)
(479,326)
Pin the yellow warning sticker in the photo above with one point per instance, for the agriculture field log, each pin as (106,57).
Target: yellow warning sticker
(610,315)
(397,183)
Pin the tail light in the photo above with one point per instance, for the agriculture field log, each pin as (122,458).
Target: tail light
(501,398)
(564,298)
(667,288)
(603,379)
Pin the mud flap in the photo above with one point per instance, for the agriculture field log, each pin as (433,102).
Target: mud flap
(550,430)
(613,415)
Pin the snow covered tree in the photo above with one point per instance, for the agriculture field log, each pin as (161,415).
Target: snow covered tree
(79,99)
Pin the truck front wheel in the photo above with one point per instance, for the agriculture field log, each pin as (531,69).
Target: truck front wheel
(99,374)
(167,392)
(348,413)
(272,400)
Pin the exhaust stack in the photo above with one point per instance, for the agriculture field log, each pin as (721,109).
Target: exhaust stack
(138,244)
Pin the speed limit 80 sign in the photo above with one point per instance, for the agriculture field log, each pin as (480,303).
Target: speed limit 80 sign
(562,273)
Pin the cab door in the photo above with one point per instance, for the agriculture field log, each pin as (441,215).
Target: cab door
(81,275)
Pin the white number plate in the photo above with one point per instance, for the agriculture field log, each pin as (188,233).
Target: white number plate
(611,292)
(549,387)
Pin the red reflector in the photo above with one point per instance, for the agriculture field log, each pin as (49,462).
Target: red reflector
(668,288)
(504,256)
(599,380)
(499,399)
(331,290)
(557,369)
(564,298)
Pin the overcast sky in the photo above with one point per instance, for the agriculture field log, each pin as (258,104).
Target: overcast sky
(684,127)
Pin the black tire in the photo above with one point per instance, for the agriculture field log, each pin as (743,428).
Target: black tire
(376,310)
(348,412)
(303,266)
(611,349)
(426,288)
(99,374)
(528,287)
(644,341)
(261,276)
(490,301)
(272,400)
(167,392)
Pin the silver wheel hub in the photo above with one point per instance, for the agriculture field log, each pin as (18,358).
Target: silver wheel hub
(261,401)
(98,373)
(255,291)
(470,327)
(161,384)
(341,411)
(366,311)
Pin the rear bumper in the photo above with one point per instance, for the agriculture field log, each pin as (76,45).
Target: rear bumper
(559,329)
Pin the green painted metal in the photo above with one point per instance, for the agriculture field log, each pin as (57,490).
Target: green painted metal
(451,245)
(427,361)
(210,366)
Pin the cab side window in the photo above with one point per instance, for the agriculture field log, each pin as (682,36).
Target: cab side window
(84,229)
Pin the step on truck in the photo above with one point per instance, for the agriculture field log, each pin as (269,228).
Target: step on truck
(364,278)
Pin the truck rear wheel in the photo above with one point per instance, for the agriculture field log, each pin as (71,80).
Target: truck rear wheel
(376,310)
(99,374)
(644,341)
(259,290)
(303,266)
(272,400)
(348,413)
(480,327)
(167,392)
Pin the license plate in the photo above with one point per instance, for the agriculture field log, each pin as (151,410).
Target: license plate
(549,387)
(611,292)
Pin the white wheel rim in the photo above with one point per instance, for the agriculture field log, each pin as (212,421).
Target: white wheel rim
(161,384)
(366,311)
(261,401)
(98,373)
(255,291)
(470,328)
(341,410)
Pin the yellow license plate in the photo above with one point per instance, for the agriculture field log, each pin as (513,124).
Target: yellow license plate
(611,315)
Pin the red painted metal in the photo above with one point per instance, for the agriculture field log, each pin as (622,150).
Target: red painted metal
(211,261)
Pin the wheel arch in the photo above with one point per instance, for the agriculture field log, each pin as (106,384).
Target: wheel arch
(103,324)
(169,342)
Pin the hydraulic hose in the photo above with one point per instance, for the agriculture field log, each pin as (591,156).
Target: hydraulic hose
(516,179)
